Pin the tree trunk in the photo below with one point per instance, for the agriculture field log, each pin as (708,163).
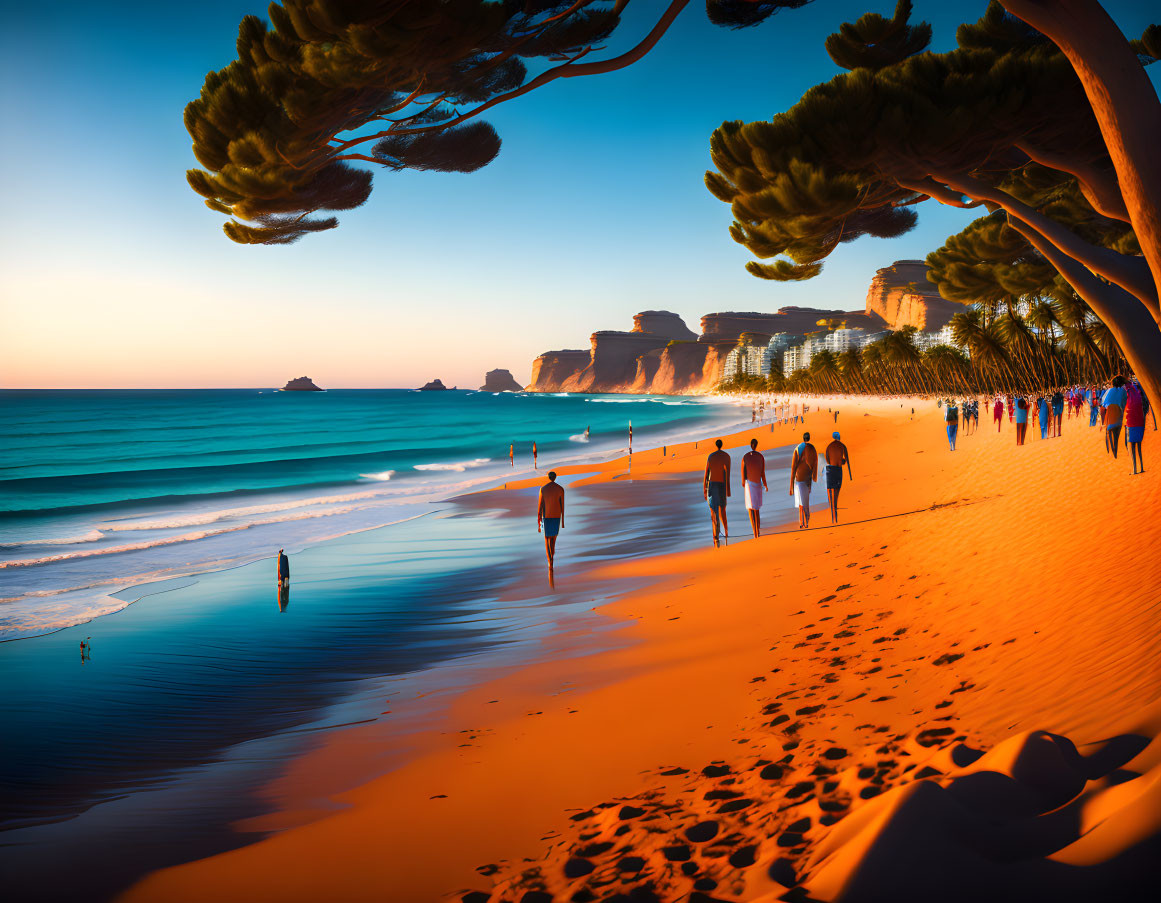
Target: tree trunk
(1127,319)
(1122,98)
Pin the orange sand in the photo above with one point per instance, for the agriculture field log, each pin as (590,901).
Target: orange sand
(839,678)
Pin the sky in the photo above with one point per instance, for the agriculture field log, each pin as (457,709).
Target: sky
(114,274)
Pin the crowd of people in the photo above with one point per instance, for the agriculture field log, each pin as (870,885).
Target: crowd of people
(1122,405)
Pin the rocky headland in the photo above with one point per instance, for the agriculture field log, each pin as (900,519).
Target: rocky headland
(902,296)
(301,384)
(661,355)
(434,386)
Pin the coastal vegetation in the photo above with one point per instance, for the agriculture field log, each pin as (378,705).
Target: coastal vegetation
(1055,344)
(1028,117)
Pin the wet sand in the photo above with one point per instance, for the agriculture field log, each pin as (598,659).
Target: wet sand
(808,710)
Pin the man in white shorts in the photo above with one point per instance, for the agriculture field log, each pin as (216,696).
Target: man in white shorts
(803,472)
(754,481)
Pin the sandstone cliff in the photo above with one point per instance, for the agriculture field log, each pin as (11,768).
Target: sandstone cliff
(796,320)
(663,322)
(612,364)
(902,296)
(500,381)
(551,369)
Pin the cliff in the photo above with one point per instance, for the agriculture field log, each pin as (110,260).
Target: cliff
(434,386)
(664,323)
(797,320)
(902,296)
(612,365)
(301,384)
(551,369)
(500,381)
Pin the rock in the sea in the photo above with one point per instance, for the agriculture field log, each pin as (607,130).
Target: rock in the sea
(434,386)
(302,384)
(500,381)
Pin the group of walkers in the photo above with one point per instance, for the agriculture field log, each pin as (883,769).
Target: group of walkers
(803,474)
(1122,404)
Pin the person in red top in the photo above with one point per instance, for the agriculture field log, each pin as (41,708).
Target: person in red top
(754,482)
(998,413)
(1135,405)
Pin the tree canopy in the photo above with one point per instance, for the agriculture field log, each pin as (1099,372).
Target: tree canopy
(326,84)
(1002,121)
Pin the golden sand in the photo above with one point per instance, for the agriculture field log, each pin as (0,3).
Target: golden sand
(809,707)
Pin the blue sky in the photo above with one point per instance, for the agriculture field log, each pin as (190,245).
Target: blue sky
(113,273)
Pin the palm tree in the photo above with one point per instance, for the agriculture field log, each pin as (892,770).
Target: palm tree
(825,370)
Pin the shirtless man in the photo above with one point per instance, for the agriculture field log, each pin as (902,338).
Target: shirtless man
(550,513)
(803,472)
(753,482)
(715,488)
(836,456)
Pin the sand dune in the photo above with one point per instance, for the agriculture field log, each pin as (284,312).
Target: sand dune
(953,695)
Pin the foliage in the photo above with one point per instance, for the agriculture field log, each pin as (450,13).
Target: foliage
(329,83)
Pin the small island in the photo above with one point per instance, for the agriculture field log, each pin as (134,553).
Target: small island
(434,386)
(500,381)
(302,384)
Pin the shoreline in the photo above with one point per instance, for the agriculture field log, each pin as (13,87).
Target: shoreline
(688,690)
(216,519)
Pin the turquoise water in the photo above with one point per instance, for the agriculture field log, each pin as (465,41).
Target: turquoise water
(101,491)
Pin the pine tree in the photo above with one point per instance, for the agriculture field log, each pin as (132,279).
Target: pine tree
(1002,121)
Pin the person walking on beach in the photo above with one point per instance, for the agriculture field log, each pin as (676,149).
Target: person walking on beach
(283,569)
(550,515)
(951,418)
(836,456)
(630,437)
(1135,405)
(512,455)
(803,472)
(534,456)
(1057,412)
(1113,413)
(715,488)
(1021,404)
(1093,394)
(753,482)
(1042,415)
(998,412)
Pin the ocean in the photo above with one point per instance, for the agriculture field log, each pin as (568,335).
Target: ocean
(104,491)
(151,743)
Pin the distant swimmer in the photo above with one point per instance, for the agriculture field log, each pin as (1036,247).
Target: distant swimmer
(86,650)
(587,428)
(550,515)
(803,472)
(753,482)
(836,456)
(715,488)
(283,569)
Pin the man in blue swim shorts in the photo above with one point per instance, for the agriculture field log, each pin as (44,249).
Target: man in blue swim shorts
(836,456)
(715,488)
(550,514)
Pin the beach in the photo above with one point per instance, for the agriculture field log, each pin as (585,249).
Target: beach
(807,710)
